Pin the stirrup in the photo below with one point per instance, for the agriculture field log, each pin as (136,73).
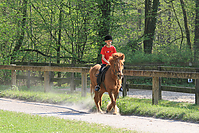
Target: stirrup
(97,88)
(121,89)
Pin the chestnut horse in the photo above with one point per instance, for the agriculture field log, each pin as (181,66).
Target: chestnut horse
(111,83)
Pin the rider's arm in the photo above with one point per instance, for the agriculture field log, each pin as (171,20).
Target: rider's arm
(104,59)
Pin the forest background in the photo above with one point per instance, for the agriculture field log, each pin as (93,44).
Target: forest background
(162,32)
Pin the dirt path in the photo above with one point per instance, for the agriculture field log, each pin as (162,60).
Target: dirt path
(166,95)
(140,124)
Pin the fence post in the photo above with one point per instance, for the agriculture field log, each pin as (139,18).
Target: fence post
(160,82)
(46,81)
(84,83)
(13,76)
(51,76)
(28,75)
(72,84)
(124,86)
(13,80)
(197,89)
(155,90)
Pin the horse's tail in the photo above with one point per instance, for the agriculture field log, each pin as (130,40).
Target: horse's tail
(91,86)
(93,71)
(92,92)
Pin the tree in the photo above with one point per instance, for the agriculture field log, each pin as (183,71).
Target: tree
(72,31)
(104,24)
(150,24)
(196,39)
(21,30)
(186,24)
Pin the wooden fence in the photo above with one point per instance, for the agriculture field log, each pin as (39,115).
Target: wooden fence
(46,70)
(155,74)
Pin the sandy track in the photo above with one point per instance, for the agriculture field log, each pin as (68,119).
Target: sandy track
(166,95)
(140,124)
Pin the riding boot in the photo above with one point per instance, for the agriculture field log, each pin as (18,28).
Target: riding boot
(97,88)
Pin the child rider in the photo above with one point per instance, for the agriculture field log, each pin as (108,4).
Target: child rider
(106,51)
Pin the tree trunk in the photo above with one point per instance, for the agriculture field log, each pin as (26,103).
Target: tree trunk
(196,39)
(186,24)
(150,24)
(59,40)
(104,26)
(21,31)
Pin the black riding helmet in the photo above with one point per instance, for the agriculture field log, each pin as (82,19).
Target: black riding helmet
(108,37)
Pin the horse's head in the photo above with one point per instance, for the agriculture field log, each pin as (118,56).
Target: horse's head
(117,63)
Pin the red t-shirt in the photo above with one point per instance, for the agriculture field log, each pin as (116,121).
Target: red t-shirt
(107,52)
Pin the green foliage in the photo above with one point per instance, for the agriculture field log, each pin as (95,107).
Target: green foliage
(5,77)
(162,55)
(74,27)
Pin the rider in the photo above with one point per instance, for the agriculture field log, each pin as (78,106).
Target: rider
(106,51)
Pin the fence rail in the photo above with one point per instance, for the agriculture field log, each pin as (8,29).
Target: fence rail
(46,70)
(155,74)
(163,88)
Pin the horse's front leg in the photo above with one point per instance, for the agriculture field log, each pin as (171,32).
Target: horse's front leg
(113,97)
(115,106)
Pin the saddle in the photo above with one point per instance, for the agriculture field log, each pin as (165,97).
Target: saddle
(101,75)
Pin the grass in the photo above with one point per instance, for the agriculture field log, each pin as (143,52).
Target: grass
(165,109)
(12,122)
(54,97)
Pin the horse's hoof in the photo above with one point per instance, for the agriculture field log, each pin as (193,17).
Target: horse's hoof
(107,111)
(115,113)
(100,112)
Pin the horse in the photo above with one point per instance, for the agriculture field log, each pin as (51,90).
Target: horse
(111,84)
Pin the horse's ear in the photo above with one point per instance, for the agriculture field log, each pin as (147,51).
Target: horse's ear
(123,57)
(115,56)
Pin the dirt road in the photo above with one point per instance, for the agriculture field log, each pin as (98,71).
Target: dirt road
(140,124)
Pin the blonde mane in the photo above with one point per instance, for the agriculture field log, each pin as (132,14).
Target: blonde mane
(116,56)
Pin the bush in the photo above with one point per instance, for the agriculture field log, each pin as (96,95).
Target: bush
(166,55)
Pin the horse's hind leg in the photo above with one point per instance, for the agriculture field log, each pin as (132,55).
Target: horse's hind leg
(110,105)
(97,99)
(100,98)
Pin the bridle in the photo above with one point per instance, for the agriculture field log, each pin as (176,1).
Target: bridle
(116,72)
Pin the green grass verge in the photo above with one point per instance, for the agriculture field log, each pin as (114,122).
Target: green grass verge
(128,106)
(55,96)
(12,122)
(165,109)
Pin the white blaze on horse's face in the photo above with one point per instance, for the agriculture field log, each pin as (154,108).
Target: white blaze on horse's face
(119,68)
